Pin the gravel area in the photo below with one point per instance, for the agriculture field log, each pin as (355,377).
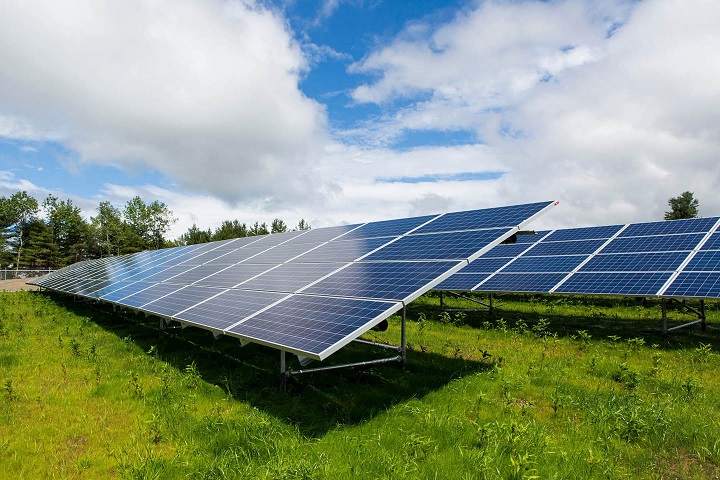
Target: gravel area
(15,285)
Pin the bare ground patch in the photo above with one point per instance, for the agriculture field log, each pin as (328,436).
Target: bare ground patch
(16,285)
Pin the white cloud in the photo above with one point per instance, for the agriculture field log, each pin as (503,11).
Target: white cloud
(612,127)
(204,91)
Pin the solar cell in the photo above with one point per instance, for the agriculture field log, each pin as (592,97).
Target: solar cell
(635,262)
(228,308)
(511,216)
(486,264)
(388,228)
(694,225)
(291,277)
(584,233)
(180,299)
(695,284)
(233,275)
(322,235)
(521,282)
(573,247)
(194,274)
(704,260)
(712,243)
(125,291)
(462,282)
(614,283)
(445,246)
(560,263)
(659,243)
(149,294)
(342,250)
(314,326)
(381,280)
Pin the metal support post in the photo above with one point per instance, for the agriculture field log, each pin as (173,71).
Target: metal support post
(283,370)
(403,342)
(703,323)
(663,307)
(441,301)
(490,307)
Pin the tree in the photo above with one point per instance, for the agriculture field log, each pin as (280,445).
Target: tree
(17,212)
(108,228)
(70,231)
(150,222)
(303,225)
(683,206)
(194,236)
(278,226)
(259,229)
(230,229)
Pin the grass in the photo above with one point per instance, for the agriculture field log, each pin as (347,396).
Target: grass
(545,387)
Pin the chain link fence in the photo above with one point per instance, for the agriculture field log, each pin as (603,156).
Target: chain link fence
(11,279)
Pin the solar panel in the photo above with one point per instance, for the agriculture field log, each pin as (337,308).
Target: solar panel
(671,258)
(308,292)
(313,325)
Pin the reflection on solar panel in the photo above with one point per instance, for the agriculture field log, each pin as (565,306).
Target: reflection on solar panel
(679,258)
(308,292)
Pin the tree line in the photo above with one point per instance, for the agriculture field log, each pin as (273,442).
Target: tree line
(53,234)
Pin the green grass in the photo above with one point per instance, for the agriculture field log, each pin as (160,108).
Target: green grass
(545,387)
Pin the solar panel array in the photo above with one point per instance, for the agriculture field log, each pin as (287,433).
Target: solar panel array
(679,258)
(306,292)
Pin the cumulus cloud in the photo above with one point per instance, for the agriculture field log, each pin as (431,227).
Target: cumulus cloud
(206,92)
(612,110)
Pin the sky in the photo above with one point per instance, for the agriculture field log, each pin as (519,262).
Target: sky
(344,111)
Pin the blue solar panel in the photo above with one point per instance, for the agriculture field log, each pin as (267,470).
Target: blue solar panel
(512,216)
(233,275)
(381,280)
(179,300)
(694,225)
(321,235)
(228,308)
(635,262)
(486,265)
(290,277)
(462,282)
(443,246)
(509,250)
(657,243)
(149,294)
(314,326)
(712,243)
(531,238)
(560,263)
(614,283)
(125,291)
(521,282)
(695,284)
(577,247)
(584,233)
(341,278)
(704,260)
(388,228)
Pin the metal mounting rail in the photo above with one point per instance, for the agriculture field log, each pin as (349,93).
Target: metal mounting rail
(489,305)
(285,374)
(702,319)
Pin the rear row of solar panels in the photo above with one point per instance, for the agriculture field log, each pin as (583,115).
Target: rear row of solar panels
(679,258)
(308,292)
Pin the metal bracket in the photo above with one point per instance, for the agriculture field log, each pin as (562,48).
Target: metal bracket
(489,305)
(285,374)
(700,313)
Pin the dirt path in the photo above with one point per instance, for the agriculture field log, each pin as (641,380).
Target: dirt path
(16,284)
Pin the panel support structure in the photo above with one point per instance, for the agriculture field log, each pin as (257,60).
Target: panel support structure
(285,374)
(489,305)
(700,313)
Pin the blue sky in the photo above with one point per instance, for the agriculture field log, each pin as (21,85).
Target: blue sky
(349,110)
